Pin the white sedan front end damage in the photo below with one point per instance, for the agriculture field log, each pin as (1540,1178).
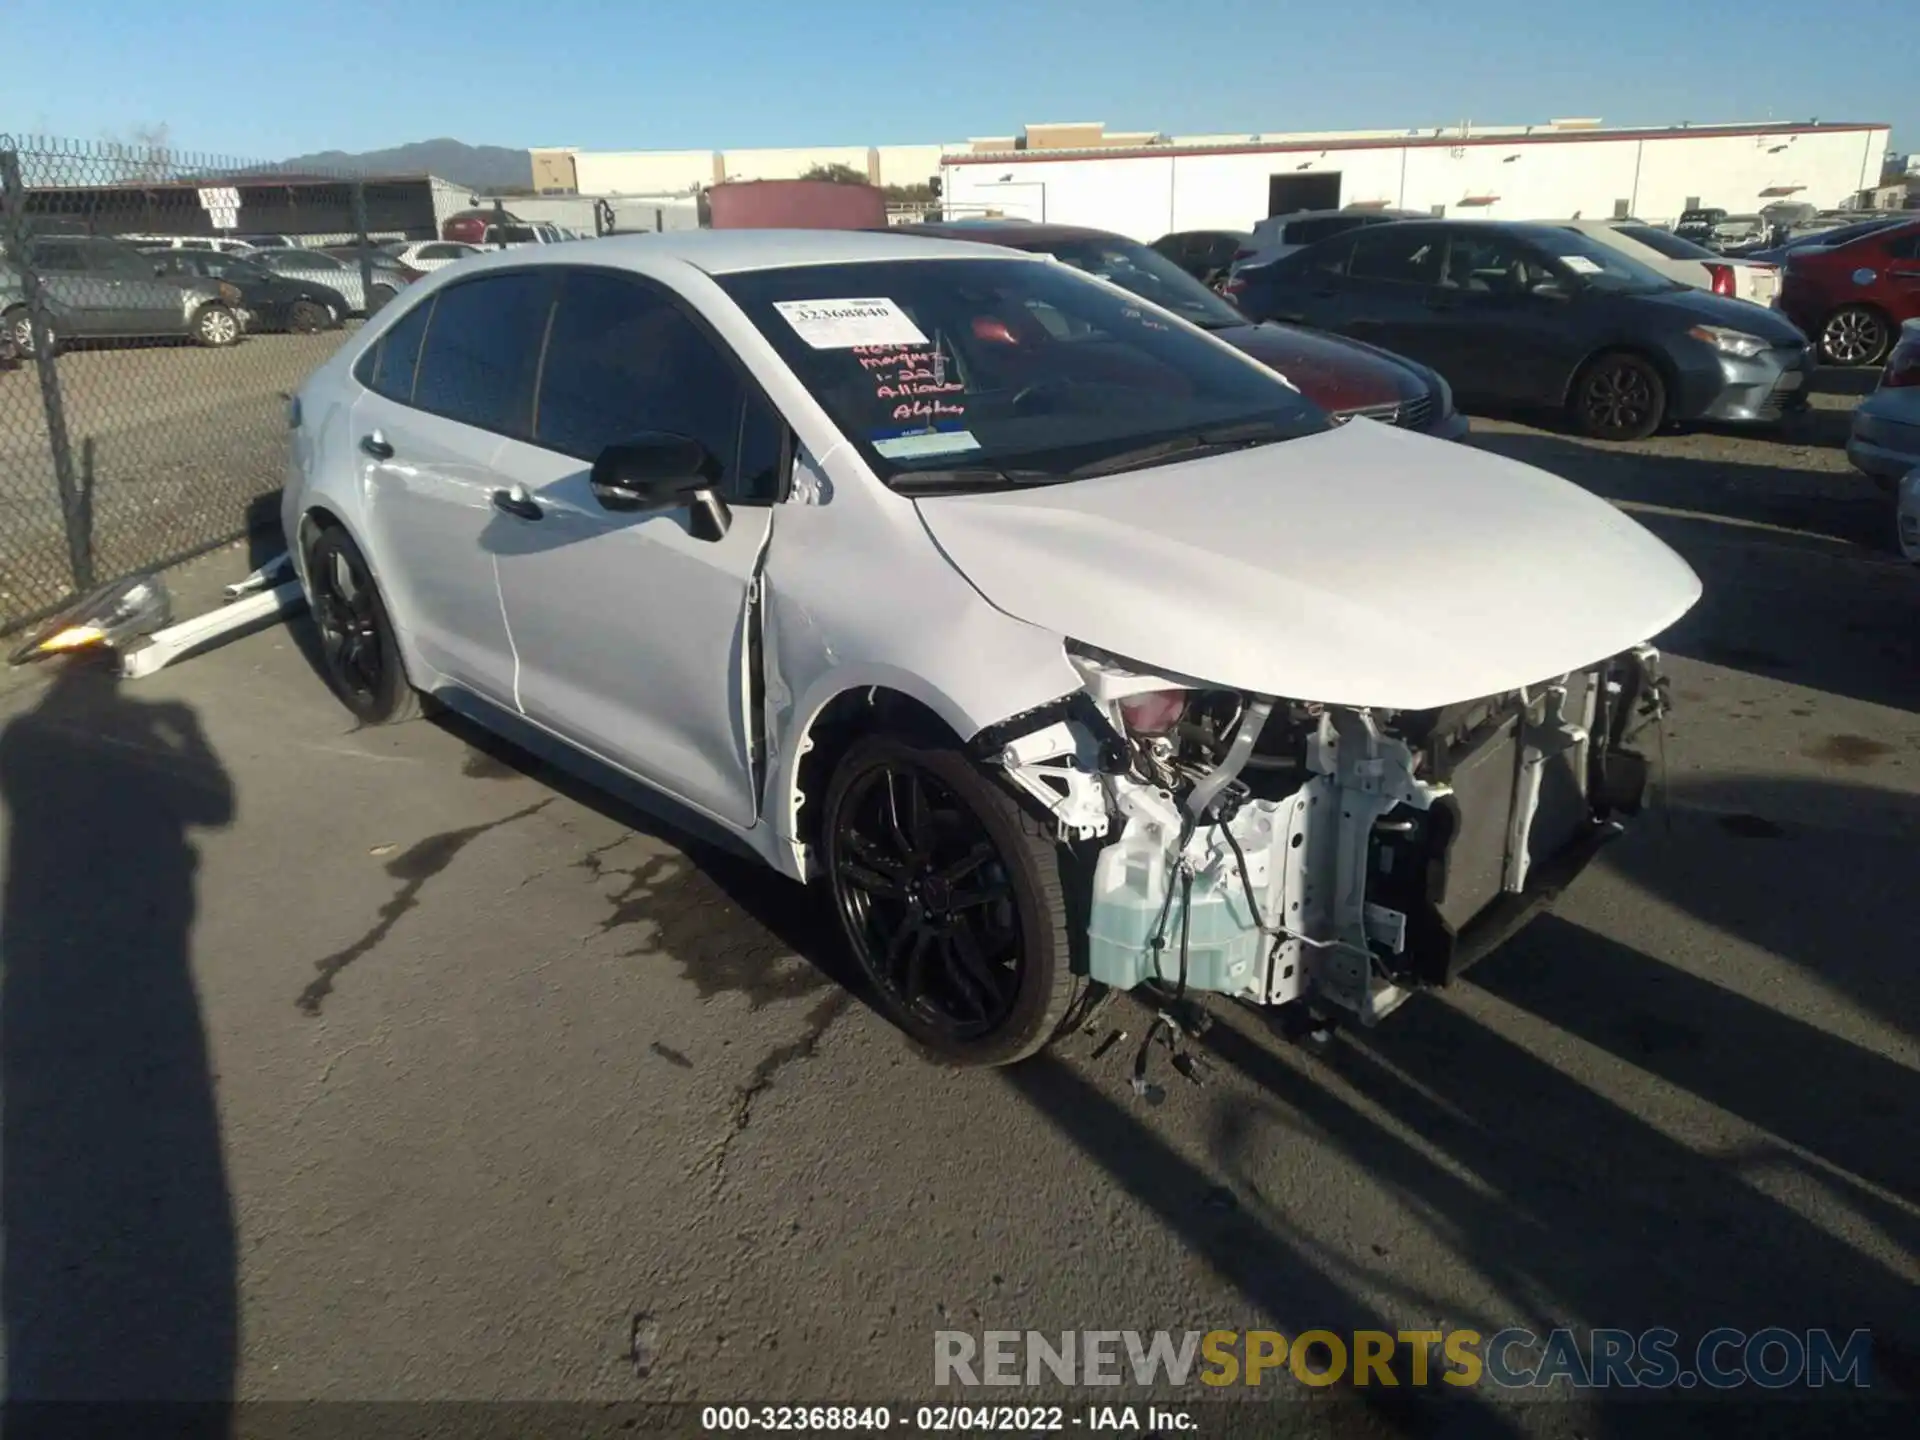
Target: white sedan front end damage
(1282,851)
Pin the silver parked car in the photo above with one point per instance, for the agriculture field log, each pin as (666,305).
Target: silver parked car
(101,289)
(1057,638)
(1885,441)
(342,275)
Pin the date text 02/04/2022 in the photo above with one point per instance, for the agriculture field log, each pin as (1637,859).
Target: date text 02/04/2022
(943,1419)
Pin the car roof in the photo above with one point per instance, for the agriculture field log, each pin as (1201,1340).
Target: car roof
(1018,233)
(729,252)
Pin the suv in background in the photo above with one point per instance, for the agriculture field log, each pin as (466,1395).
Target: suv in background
(100,289)
(1281,235)
(1851,299)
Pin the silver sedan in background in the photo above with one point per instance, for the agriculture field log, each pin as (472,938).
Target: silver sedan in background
(341,275)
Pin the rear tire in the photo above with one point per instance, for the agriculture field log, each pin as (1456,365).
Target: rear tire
(952,904)
(1855,335)
(359,656)
(1618,398)
(378,297)
(20,331)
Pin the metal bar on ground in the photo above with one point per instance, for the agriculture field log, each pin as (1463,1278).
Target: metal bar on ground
(163,647)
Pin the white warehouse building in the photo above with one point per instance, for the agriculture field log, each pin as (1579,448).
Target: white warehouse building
(1146,187)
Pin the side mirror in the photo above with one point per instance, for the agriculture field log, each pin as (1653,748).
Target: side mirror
(660,471)
(1552,290)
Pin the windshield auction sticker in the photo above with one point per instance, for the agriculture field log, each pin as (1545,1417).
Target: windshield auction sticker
(843,324)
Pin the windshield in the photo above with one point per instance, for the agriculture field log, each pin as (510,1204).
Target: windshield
(1671,246)
(1601,267)
(1151,276)
(984,373)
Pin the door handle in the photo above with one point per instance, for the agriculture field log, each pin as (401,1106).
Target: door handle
(375,444)
(1439,302)
(517,503)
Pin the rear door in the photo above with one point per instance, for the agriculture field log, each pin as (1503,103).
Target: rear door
(86,298)
(634,628)
(1903,275)
(1387,291)
(448,385)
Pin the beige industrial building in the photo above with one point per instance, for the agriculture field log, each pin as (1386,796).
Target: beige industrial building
(567,171)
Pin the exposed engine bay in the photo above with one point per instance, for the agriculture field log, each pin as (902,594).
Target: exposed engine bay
(1283,851)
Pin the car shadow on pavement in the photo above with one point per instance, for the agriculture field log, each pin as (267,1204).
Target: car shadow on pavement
(719,869)
(1781,598)
(119,1277)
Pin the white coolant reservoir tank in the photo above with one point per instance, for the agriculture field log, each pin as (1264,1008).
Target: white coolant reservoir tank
(1136,878)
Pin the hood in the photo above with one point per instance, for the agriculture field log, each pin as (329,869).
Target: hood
(1329,371)
(1697,307)
(1360,566)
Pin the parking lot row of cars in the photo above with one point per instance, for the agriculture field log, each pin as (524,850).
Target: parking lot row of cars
(1620,326)
(214,289)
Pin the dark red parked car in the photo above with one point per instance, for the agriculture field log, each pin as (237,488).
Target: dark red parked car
(1851,299)
(1343,377)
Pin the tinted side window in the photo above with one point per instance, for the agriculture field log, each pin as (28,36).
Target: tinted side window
(1386,252)
(482,349)
(763,448)
(388,368)
(623,359)
(1306,232)
(1329,259)
(57,256)
(1904,247)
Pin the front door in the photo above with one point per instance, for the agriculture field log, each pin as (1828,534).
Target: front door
(447,385)
(84,298)
(635,630)
(1501,322)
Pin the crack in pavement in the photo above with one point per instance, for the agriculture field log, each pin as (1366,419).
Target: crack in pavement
(819,1020)
(415,865)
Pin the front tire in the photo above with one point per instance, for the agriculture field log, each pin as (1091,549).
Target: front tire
(216,327)
(951,899)
(359,655)
(1855,335)
(308,317)
(1619,397)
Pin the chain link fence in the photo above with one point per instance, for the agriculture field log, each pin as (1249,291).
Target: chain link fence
(157,310)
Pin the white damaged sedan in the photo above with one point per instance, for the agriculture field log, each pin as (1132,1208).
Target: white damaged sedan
(1060,641)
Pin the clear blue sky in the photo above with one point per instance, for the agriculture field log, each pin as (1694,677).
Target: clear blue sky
(273,78)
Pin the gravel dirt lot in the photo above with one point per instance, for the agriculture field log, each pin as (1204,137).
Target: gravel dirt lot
(382,1064)
(171,443)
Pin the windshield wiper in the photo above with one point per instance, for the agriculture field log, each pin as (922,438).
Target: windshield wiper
(970,477)
(1188,447)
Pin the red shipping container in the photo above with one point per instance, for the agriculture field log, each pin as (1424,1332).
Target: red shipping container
(796,205)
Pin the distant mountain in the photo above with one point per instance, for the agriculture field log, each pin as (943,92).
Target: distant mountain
(479,167)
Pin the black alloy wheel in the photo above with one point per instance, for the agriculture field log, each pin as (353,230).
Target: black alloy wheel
(1620,397)
(951,898)
(358,654)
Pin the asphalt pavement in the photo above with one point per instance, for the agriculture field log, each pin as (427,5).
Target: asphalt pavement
(383,1064)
